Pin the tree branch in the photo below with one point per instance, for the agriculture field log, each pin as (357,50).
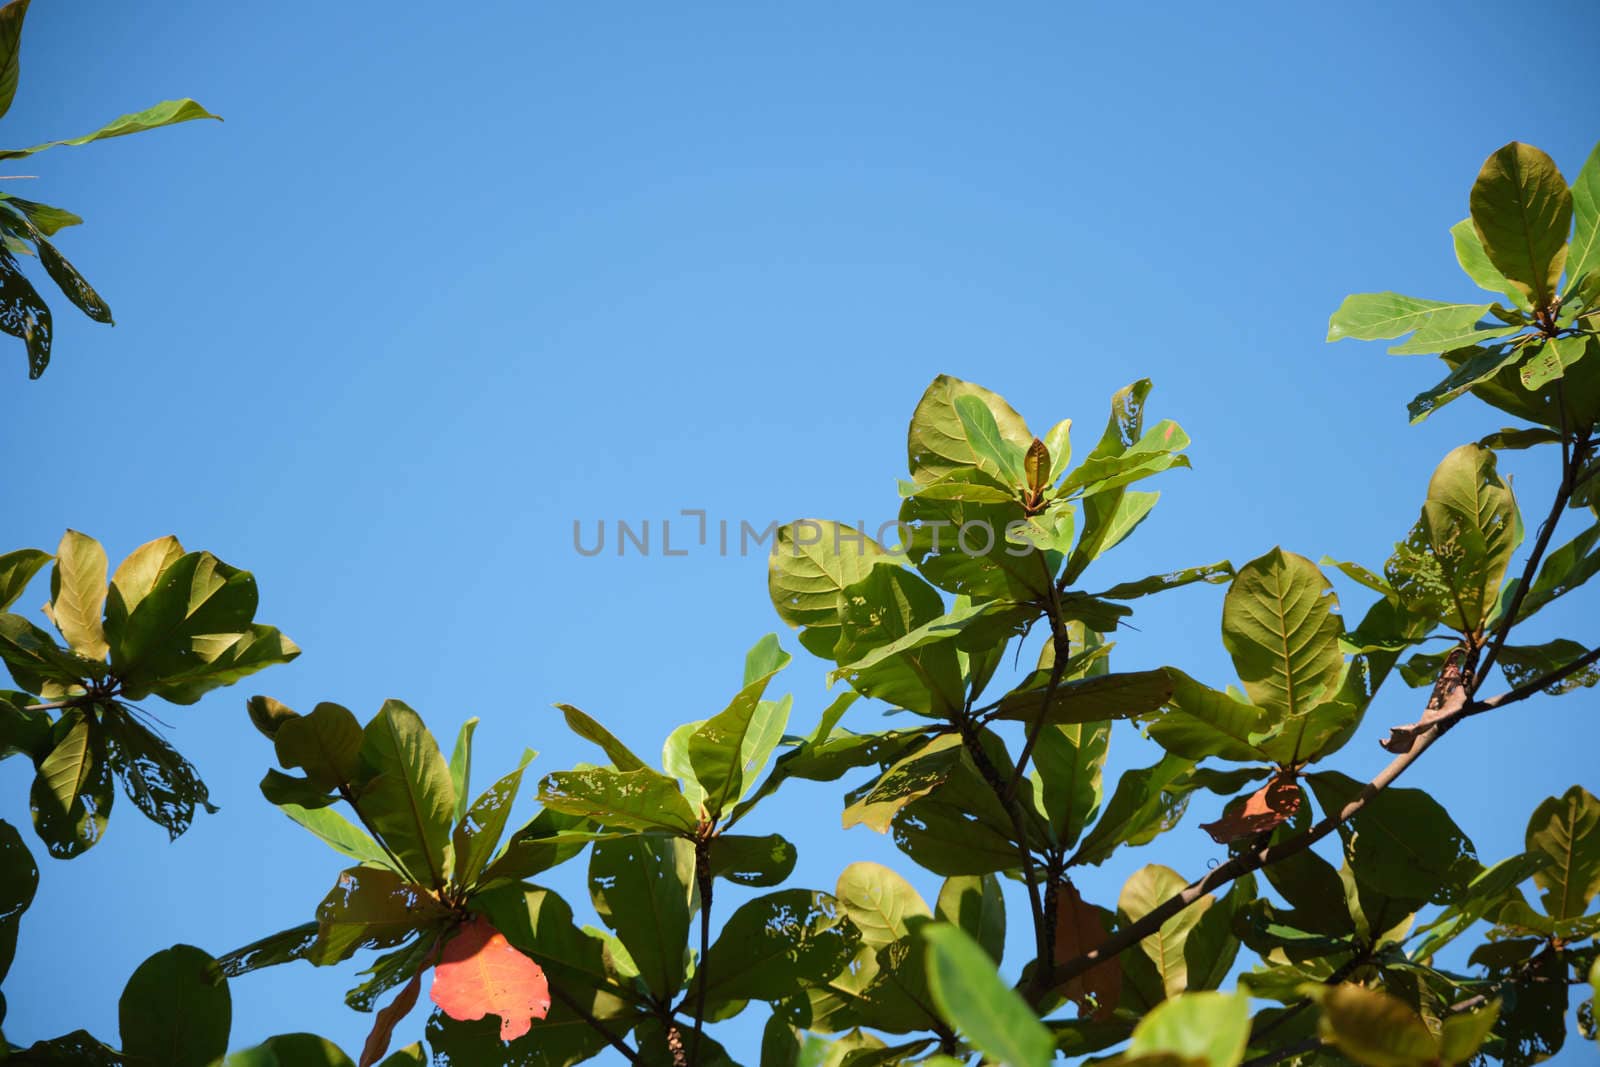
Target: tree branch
(577,1009)
(704,880)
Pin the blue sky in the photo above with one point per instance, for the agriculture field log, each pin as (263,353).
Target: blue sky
(449,278)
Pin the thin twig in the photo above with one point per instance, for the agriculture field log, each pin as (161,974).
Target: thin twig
(612,1039)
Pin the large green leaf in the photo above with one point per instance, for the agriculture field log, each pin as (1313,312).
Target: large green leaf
(1380,316)
(24,314)
(590,730)
(940,440)
(1583,256)
(1097,699)
(811,564)
(284,946)
(1200,721)
(724,750)
(338,833)
(78,593)
(174,1011)
(134,579)
(1401,843)
(35,660)
(640,800)
(478,830)
(915,775)
(887,911)
(1147,888)
(974,1000)
(1157,449)
(1209,1028)
(893,608)
(752,861)
(1452,564)
(1070,761)
(1280,623)
(961,828)
(461,769)
(194,611)
(292,1050)
(409,798)
(11,18)
(1567,830)
(992,452)
(548,840)
(16,571)
(19,878)
(774,944)
(159,781)
(1447,334)
(165,113)
(326,743)
(371,908)
(1522,210)
(235,657)
(976,904)
(71,795)
(643,888)
(1146,802)
(1475,261)
(1472,369)
(1373,1028)
(963,546)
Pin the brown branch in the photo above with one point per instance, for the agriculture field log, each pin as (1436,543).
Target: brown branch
(577,1009)
(1528,689)
(704,880)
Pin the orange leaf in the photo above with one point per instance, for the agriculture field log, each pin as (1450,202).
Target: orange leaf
(1265,809)
(1079,930)
(388,1018)
(480,973)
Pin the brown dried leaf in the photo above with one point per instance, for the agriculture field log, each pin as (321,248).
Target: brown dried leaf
(1079,930)
(1265,809)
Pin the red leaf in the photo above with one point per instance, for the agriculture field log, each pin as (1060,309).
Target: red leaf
(480,973)
(1266,808)
(1079,930)
(388,1018)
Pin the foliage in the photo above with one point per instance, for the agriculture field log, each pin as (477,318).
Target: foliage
(1333,951)
(26,226)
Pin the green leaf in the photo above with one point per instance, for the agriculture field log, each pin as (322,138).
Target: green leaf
(758,862)
(71,795)
(19,879)
(965,547)
(1471,369)
(165,113)
(1147,888)
(326,744)
(1108,518)
(1567,830)
(134,579)
(293,1050)
(1551,361)
(1523,664)
(339,833)
(971,996)
(1447,333)
(643,888)
(976,904)
(1475,261)
(1070,760)
(1522,210)
(886,650)
(1564,569)
(174,1011)
(811,563)
(18,568)
(1487,892)
(1200,722)
(1372,1027)
(1280,623)
(723,752)
(1155,451)
(11,17)
(1212,574)
(940,440)
(159,781)
(281,947)
(193,612)
(887,911)
(639,800)
(993,453)
(590,730)
(64,274)
(1511,439)
(1456,558)
(408,801)
(461,770)
(774,944)
(1380,316)
(961,828)
(78,593)
(1401,843)
(548,840)
(1146,802)
(1583,256)
(1107,696)
(370,908)
(24,314)
(35,660)
(256,648)
(1211,1028)
(1463,1034)
(478,831)
(913,776)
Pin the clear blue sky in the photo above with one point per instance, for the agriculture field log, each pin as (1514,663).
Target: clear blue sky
(450,277)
